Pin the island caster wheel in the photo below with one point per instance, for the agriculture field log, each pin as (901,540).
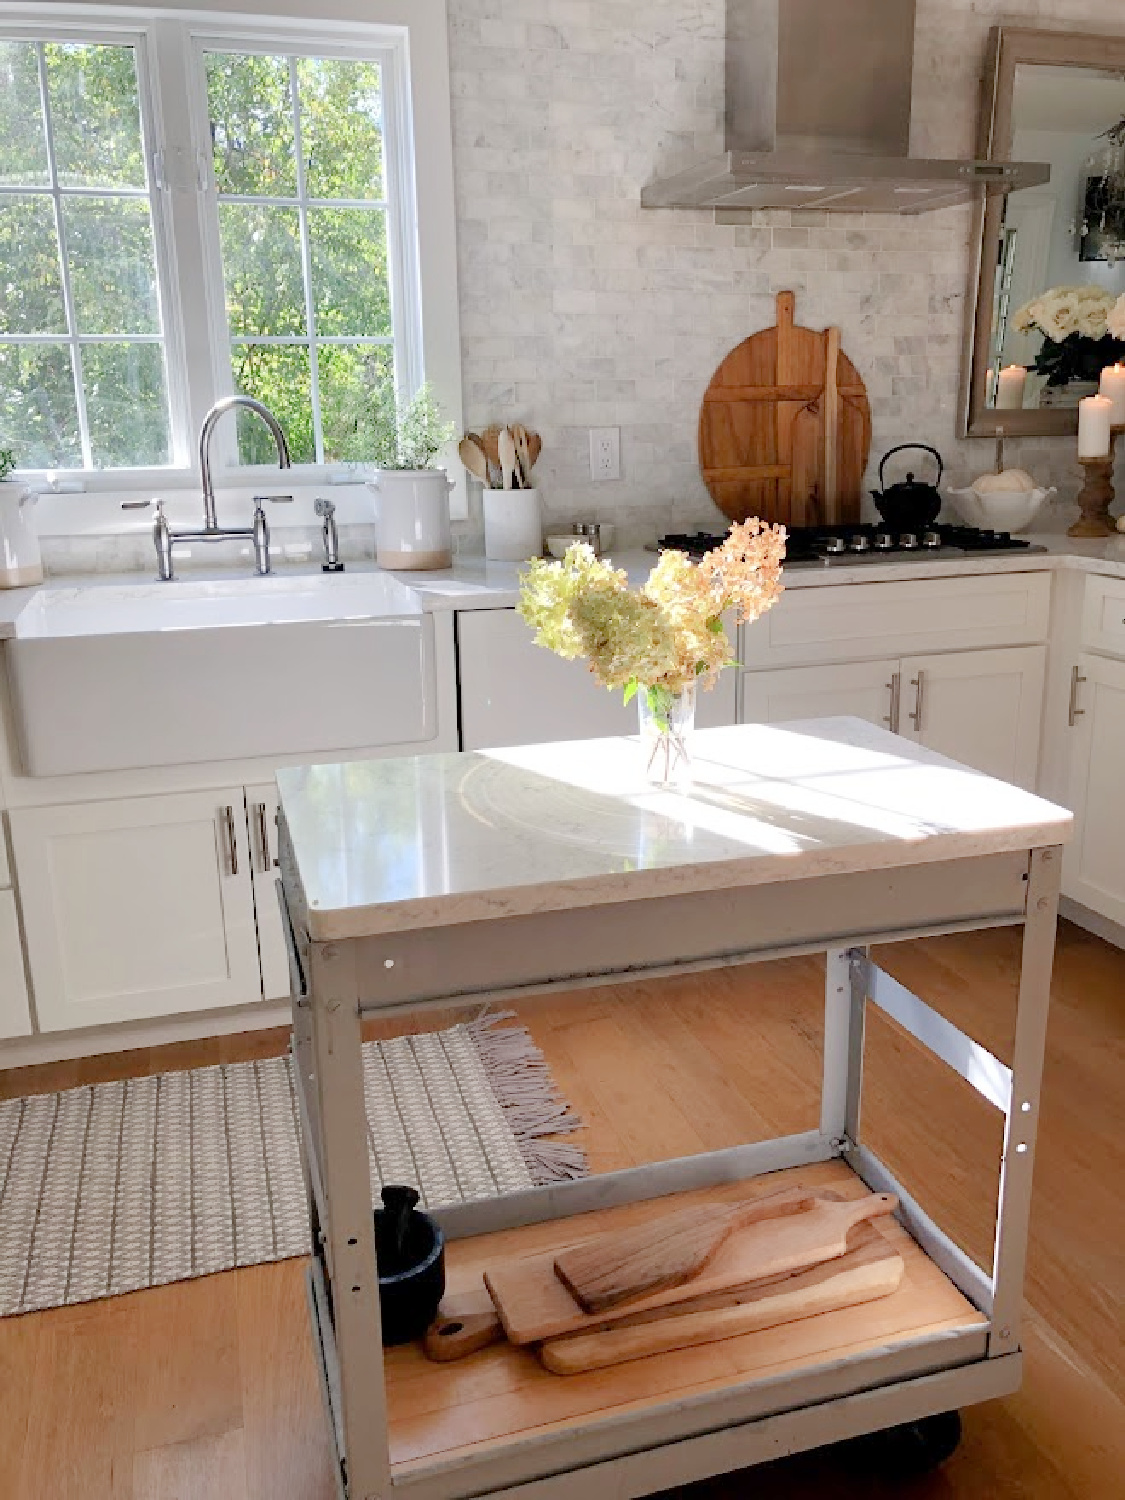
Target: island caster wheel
(915,1448)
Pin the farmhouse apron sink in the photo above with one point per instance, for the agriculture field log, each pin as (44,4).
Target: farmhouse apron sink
(111,676)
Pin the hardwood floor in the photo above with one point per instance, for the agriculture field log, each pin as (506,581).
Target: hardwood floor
(207,1389)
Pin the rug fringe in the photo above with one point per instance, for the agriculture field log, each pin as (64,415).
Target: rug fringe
(525,1087)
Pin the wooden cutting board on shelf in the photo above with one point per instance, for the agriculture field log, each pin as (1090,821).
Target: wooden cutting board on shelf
(869,1270)
(785,427)
(534,1303)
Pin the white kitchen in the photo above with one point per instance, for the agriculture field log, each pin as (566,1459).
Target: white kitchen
(562,619)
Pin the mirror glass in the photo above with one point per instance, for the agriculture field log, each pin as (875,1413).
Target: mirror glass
(1060,259)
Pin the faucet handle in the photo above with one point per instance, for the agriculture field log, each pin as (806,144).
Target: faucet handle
(259,500)
(324,507)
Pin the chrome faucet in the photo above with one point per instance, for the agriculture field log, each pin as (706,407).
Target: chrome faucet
(165,538)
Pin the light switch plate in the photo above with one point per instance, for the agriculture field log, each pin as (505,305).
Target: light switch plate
(605,453)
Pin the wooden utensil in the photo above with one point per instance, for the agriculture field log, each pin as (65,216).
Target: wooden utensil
(534,1304)
(508,465)
(534,448)
(619,1268)
(523,454)
(748,425)
(472,456)
(490,442)
(864,1274)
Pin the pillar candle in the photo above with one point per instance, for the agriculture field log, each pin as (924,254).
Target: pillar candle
(1113,389)
(1094,418)
(1009,389)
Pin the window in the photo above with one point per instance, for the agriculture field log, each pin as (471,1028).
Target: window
(191,207)
(82,350)
(297,158)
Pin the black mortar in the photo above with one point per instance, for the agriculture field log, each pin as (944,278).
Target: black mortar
(411,1251)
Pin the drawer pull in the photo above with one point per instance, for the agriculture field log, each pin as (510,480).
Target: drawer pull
(919,685)
(232,841)
(1076,681)
(267,859)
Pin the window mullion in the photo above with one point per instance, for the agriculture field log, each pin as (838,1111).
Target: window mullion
(306,263)
(64,264)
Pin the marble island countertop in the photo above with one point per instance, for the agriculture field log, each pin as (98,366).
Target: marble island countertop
(506,833)
(476,583)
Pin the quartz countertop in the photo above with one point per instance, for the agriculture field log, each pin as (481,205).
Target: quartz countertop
(478,583)
(389,845)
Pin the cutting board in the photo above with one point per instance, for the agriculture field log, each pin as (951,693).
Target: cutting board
(785,427)
(616,1268)
(534,1304)
(868,1271)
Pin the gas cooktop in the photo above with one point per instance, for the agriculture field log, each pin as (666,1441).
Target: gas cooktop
(844,546)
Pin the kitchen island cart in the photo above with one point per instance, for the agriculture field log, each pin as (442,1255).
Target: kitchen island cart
(410,884)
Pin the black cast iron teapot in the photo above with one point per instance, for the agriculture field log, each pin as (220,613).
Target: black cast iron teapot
(909,505)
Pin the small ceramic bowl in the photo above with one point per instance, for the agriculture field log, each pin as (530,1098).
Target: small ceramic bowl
(999,510)
(557,545)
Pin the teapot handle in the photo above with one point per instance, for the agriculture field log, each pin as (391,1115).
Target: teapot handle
(923,448)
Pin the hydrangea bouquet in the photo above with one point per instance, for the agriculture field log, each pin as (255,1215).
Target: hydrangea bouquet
(1078,337)
(661,641)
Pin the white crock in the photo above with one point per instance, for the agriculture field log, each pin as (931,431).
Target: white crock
(21,563)
(412,518)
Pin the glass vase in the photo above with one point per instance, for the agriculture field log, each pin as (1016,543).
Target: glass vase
(667,719)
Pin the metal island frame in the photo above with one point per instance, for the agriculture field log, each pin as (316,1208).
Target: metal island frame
(416,883)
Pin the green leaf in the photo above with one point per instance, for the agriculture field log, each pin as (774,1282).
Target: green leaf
(630,691)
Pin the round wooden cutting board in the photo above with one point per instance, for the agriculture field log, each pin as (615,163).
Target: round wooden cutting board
(785,427)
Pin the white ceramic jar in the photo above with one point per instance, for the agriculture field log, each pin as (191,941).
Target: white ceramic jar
(412,518)
(513,525)
(21,563)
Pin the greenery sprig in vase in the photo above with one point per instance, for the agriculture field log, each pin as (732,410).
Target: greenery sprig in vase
(408,434)
(659,642)
(7,462)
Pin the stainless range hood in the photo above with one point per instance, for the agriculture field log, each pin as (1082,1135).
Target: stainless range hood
(818,116)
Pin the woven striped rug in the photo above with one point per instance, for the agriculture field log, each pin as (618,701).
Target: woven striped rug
(117,1186)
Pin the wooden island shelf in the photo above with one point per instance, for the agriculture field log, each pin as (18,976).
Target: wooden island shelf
(553,867)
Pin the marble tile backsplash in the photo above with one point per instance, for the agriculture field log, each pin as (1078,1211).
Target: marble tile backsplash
(580,309)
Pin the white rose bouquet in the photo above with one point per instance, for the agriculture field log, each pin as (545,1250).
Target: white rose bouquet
(1078,341)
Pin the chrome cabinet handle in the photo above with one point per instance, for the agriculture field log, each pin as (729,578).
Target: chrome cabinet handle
(1074,713)
(919,685)
(232,841)
(894,687)
(267,859)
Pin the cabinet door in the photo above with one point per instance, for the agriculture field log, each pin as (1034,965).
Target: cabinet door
(261,815)
(15,1018)
(865,689)
(514,692)
(983,708)
(137,908)
(1094,864)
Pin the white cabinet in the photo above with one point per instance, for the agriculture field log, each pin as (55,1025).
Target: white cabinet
(261,816)
(137,908)
(865,689)
(983,708)
(514,692)
(1094,863)
(15,1017)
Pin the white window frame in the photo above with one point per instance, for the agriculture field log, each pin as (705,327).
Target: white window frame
(409,39)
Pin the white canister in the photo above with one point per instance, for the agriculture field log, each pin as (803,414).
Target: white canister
(21,563)
(412,518)
(513,525)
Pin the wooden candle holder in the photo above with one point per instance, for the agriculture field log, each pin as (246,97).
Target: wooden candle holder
(1096,494)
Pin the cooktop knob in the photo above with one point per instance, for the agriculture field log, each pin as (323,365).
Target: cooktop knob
(835,544)
(858,543)
(908,541)
(884,541)
(931,539)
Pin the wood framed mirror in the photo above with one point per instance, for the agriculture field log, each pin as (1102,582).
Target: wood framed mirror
(1049,96)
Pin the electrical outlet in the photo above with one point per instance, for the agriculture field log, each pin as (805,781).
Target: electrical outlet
(605,453)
